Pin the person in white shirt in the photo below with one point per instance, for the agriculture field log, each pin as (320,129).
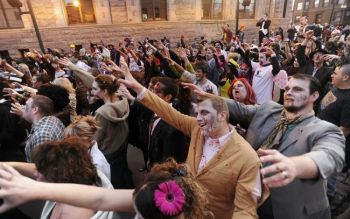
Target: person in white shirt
(264,73)
(202,69)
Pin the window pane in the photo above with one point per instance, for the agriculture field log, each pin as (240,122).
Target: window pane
(300,6)
(147,9)
(160,9)
(80,11)
(87,10)
(317,2)
(9,16)
(206,7)
(217,9)
(153,10)
(246,9)
(326,3)
(73,14)
(307,4)
(14,18)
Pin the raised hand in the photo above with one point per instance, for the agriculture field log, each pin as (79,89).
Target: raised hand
(182,53)
(197,90)
(65,62)
(269,51)
(15,188)
(17,109)
(9,92)
(124,92)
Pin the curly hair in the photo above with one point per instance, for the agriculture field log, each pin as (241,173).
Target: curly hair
(195,199)
(106,82)
(66,161)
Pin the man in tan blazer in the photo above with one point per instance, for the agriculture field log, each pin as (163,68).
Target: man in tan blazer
(223,162)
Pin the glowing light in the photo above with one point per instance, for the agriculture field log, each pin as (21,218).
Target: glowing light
(76,3)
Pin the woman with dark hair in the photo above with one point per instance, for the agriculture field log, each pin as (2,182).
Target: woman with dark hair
(242,92)
(169,191)
(112,118)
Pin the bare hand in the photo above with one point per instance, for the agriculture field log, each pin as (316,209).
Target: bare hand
(282,170)
(329,57)
(17,109)
(15,188)
(182,53)
(10,92)
(197,90)
(309,34)
(65,62)
(269,51)
(123,91)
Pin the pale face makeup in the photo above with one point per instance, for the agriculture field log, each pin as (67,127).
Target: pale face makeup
(297,95)
(207,118)
(262,59)
(96,91)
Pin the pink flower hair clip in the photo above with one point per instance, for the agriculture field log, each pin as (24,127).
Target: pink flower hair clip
(169,198)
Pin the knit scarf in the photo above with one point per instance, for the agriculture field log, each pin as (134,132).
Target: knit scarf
(274,139)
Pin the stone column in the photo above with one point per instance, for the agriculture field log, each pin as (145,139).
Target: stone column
(171,10)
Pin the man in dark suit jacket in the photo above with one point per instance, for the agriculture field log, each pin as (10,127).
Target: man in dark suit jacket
(314,66)
(164,140)
(263,24)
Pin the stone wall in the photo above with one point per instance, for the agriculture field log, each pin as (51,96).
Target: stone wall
(124,18)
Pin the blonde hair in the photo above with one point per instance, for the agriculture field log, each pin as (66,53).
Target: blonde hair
(82,126)
(24,68)
(65,83)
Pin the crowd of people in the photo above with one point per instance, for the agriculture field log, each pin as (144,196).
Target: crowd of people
(227,128)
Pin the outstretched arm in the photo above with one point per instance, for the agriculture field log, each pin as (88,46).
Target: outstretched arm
(180,121)
(17,189)
(85,76)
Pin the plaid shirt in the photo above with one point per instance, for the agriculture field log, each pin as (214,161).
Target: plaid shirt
(49,128)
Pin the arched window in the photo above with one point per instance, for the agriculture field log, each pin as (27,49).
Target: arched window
(9,16)
(80,11)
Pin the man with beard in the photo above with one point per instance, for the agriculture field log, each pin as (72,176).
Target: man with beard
(335,108)
(222,161)
(298,150)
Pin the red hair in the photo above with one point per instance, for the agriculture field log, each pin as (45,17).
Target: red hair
(250,98)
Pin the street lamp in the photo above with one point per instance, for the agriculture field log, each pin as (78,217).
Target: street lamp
(18,4)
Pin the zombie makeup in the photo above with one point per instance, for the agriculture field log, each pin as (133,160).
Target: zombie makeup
(96,91)
(296,95)
(207,118)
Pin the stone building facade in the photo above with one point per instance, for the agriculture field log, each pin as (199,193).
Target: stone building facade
(335,12)
(63,22)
